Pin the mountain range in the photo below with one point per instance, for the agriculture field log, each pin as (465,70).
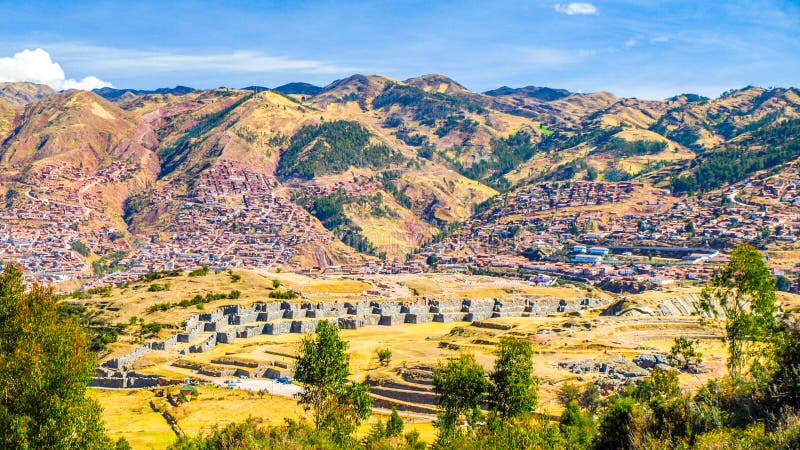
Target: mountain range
(374,167)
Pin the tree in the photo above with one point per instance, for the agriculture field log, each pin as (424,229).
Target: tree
(432,260)
(576,425)
(574,229)
(617,423)
(590,398)
(745,292)
(568,393)
(276,284)
(323,366)
(394,426)
(683,353)
(784,383)
(81,248)
(460,385)
(45,367)
(515,390)
(202,271)
(782,284)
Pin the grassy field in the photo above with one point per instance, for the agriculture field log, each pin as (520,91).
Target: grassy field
(556,339)
(128,414)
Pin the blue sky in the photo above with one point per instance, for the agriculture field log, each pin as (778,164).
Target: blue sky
(646,49)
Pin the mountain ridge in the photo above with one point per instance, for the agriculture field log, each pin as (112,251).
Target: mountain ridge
(372,167)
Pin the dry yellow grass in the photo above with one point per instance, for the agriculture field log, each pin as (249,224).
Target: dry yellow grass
(335,287)
(219,407)
(556,339)
(128,414)
(135,299)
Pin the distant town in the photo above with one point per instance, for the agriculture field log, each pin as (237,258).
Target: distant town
(619,235)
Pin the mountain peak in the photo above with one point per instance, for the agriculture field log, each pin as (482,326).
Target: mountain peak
(298,88)
(437,83)
(544,94)
(22,93)
(114,95)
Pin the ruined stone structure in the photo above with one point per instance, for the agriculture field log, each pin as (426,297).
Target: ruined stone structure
(222,326)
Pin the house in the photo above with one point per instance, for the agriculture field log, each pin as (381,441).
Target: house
(592,259)
(602,251)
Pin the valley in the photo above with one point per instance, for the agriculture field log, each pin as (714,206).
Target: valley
(200,235)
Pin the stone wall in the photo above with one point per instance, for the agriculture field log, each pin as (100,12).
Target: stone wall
(228,323)
(165,344)
(192,334)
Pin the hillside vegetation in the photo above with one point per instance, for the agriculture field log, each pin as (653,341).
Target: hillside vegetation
(433,149)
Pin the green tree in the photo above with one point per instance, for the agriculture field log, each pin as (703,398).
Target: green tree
(514,390)
(745,292)
(617,422)
(276,284)
(394,426)
(81,248)
(432,260)
(460,386)
(122,444)
(202,271)
(323,366)
(683,353)
(384,356)
(568,393)
(784,384)
(45,367)
(577,426)
(782,284)
(590,398)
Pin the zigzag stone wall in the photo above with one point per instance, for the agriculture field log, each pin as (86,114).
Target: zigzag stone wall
(233,322)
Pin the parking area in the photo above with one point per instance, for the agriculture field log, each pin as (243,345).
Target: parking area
(269,386)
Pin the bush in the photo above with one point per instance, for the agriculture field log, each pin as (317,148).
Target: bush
(202,271)
(155,287)
(81,248)
(283,295)
(384,356)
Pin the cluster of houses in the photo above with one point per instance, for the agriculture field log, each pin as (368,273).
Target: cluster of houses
(534,229)
(40,230)
(234,217)
(781,191)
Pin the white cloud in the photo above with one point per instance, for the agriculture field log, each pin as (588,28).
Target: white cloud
(630,43)
(572,9)
(659,39)
(104,59)
(36,66)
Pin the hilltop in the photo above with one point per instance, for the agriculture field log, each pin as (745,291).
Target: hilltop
(20,94)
